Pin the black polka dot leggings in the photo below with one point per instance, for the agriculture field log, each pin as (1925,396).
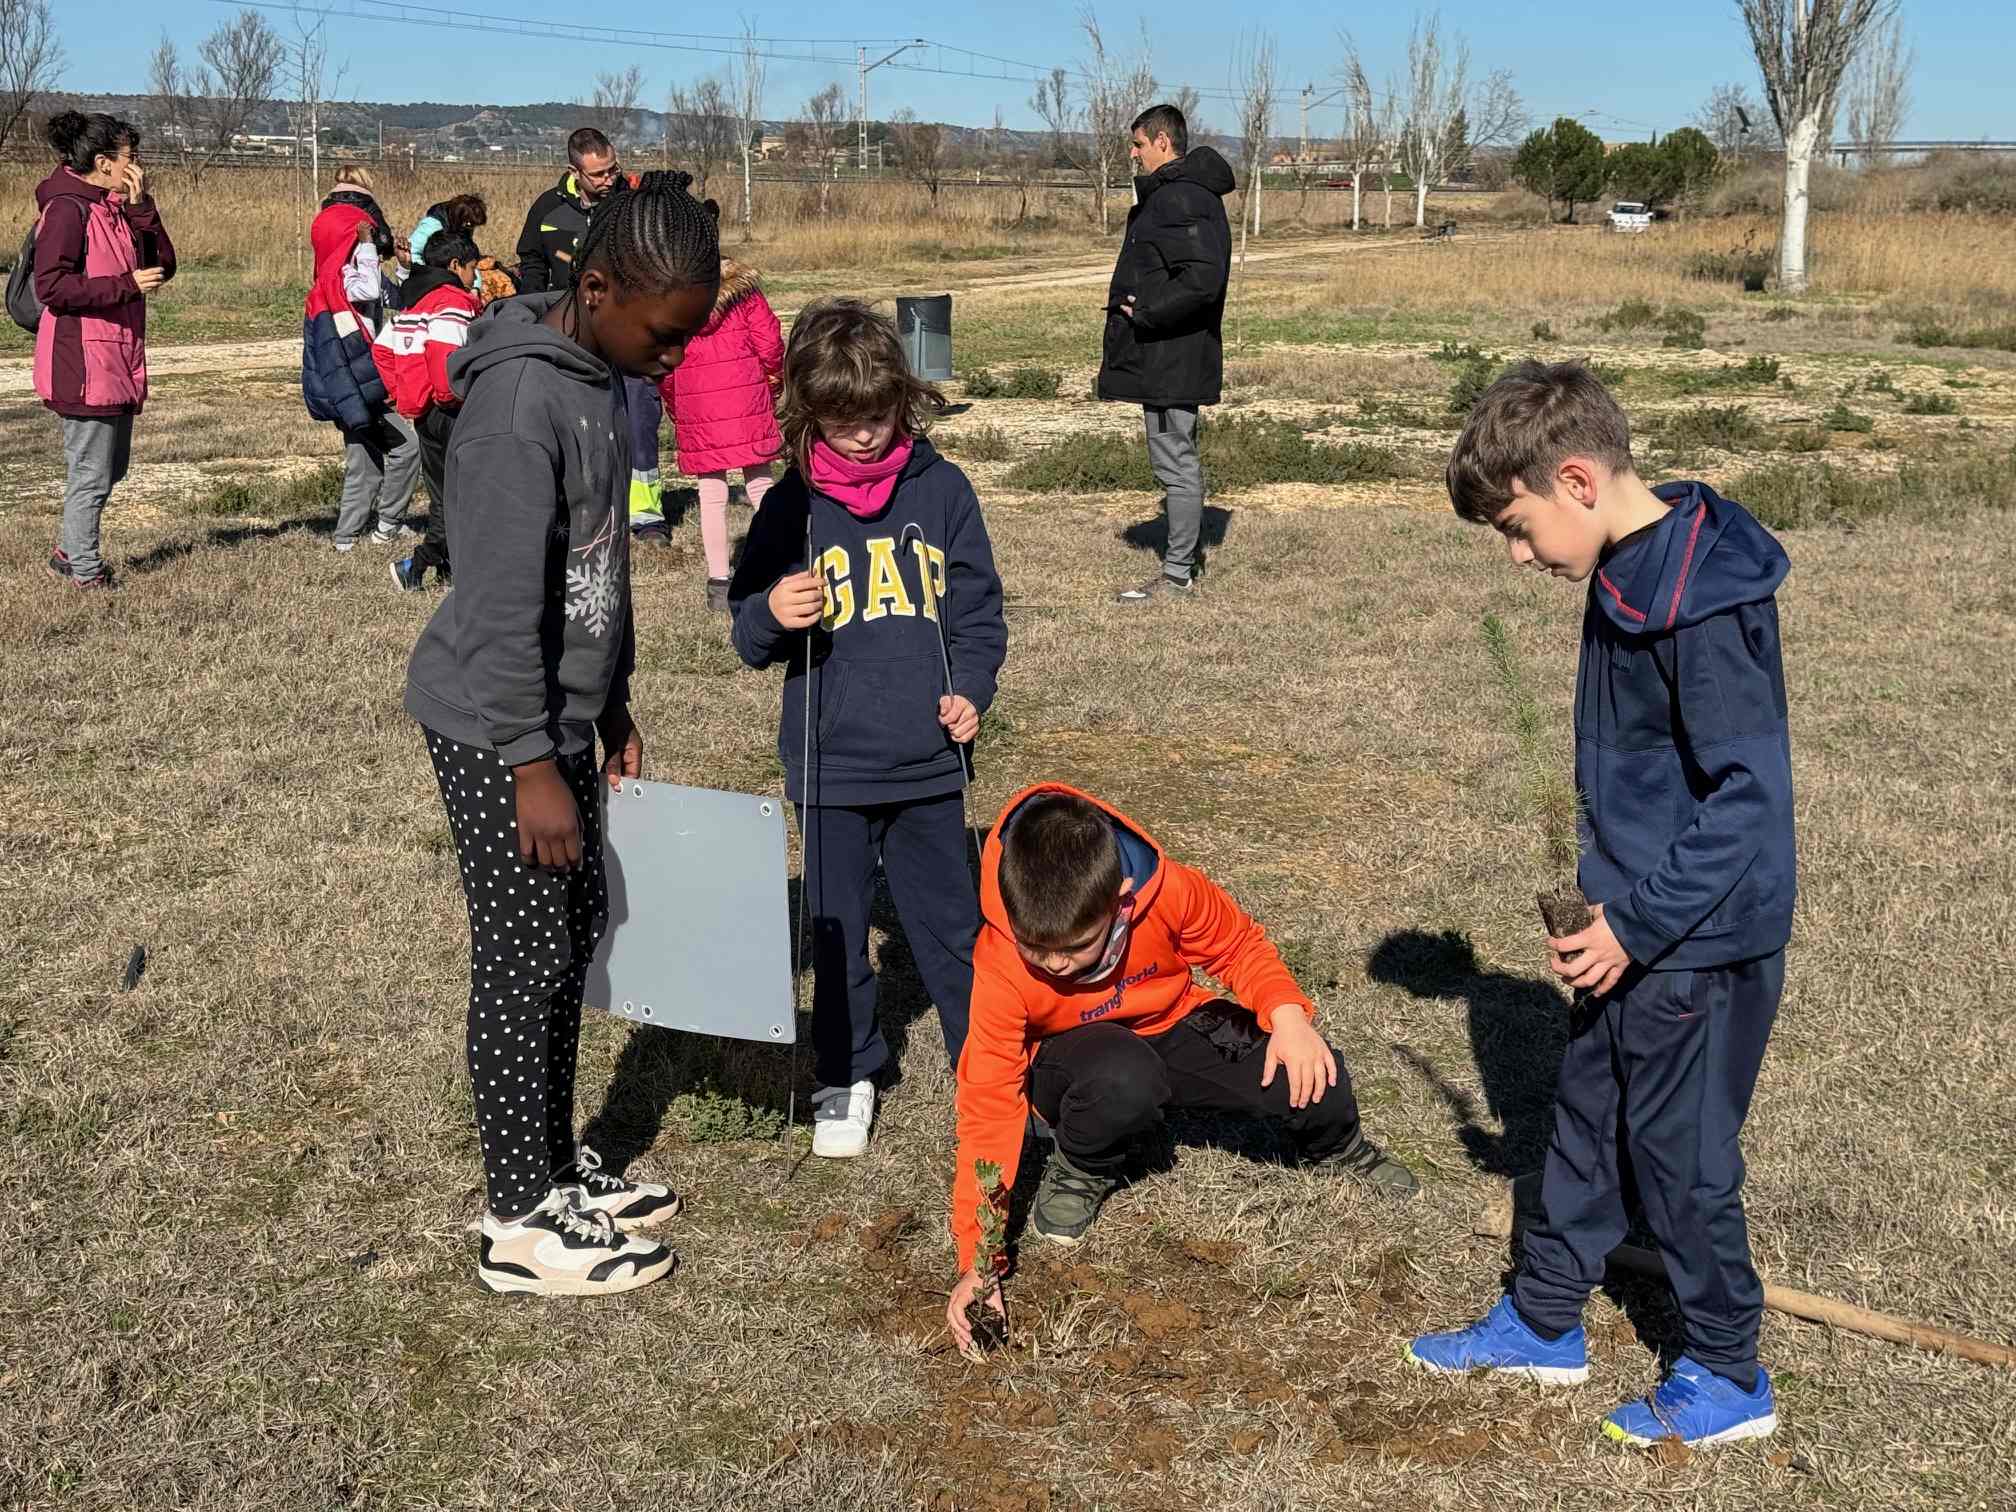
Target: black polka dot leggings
(532,935)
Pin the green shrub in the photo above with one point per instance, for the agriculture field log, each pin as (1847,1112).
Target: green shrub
(1632,315)
(1021,383)
(713,1117)
(1543,331)
(1685,330)
(1804,438)
(1392,412)
(1470,385)
(272,498)
(1990,338)
(1779,314)
(984,443)
(1792,496)
(1842,418)
(1931,404)
(1727,428)
(1243,452)
(1465,354)
(1878,382)
(1751,372)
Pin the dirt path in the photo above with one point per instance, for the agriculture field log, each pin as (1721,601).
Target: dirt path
(17,373)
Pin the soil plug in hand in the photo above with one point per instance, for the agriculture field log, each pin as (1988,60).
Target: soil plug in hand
(549,821)
(147,280)
(1591,961)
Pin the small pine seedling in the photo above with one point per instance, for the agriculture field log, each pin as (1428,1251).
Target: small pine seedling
(990,1328)
(1549,796)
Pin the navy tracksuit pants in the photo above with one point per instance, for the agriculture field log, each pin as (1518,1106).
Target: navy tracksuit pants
(1654,1088)
(921,847)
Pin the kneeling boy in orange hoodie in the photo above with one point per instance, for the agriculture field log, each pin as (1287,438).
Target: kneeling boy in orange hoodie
(1084,1006)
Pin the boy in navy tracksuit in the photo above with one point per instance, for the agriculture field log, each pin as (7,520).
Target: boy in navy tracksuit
(1682,757)
(898,554)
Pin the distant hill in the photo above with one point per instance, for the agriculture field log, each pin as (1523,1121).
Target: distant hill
(438,129)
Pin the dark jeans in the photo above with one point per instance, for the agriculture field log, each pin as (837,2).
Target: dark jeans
(1101,1085)
(1654,1088)
(435,427)
(921,847)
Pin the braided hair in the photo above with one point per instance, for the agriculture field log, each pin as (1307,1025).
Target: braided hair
(652,238)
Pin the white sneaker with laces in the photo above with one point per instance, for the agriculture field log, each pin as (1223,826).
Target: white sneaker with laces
(841,1117)
(631,1205)
(561,1250)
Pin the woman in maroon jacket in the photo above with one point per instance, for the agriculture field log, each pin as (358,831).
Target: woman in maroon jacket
(100,250)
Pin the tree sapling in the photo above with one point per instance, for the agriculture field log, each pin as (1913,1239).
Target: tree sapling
(990,1327)
(1549,796)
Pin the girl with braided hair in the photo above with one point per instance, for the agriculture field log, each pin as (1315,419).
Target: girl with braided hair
(525,664)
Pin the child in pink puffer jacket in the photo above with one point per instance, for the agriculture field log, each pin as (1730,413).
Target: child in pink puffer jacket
(722,399)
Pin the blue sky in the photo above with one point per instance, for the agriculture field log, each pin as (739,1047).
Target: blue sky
(1568,56)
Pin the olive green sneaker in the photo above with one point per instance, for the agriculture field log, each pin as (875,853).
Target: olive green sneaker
(1366,1161)
(1067,1200)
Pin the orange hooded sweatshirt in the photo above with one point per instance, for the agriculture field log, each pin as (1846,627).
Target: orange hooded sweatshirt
(1181,920)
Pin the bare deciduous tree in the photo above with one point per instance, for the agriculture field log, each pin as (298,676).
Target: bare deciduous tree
(1191,103)
(612,108)
(1737,122)
(241,65)
(307,62)
(920,146)
(825,117)
(1254,84)
(746,73)
(1362,143)
(1803,51)
(1879,88)
(1439,93)
(1116,91)
(170,110)
(1057,108)
(30,59)
(700,125)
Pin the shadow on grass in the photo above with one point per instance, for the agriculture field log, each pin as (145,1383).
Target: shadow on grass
(1518,1028)
(223,538)
(1153,534)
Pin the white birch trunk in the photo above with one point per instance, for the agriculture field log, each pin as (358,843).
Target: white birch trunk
(1799,145)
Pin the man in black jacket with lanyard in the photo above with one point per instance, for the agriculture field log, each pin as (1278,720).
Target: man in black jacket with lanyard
(1163,312)
(553,230)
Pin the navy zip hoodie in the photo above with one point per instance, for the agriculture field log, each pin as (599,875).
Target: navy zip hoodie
(1681,745)
(534,643)
(876,672)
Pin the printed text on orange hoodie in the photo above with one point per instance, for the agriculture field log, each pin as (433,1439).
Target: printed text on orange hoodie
(1182,920)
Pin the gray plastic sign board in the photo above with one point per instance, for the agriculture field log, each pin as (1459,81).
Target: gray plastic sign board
(699,935)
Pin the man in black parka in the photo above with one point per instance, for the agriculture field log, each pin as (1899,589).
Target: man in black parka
(1163,313)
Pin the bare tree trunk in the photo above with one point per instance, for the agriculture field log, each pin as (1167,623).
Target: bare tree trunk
(1421,201)
(1357,195)
(1799,145)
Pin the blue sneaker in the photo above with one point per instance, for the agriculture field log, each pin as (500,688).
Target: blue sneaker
(407,576)
(1503,1343)
(1696,1406)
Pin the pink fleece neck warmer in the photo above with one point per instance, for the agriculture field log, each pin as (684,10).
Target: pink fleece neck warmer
(863,487)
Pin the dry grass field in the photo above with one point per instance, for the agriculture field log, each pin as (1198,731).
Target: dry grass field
(233,1202)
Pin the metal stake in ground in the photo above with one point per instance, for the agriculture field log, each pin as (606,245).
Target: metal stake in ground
(945,661)
(804,856)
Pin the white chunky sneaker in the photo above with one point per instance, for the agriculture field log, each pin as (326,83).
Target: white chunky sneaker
(840,1120)
(631,1205)
(561,1250)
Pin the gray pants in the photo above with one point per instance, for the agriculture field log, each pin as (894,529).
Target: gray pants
(96,449)
(1172,452)
(380,466)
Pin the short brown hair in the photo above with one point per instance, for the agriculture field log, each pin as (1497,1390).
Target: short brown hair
(1060,869)
(1535,417)
(1165,120)
(845,364)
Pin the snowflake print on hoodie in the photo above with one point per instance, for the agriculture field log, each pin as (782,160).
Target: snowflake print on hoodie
(594,591)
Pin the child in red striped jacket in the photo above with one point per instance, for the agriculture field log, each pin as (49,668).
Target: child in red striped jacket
(412,352)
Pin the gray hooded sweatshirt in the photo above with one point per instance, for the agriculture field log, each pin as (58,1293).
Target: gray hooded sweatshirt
(534,642)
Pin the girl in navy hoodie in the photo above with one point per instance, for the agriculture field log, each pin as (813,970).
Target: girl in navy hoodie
(867,553)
